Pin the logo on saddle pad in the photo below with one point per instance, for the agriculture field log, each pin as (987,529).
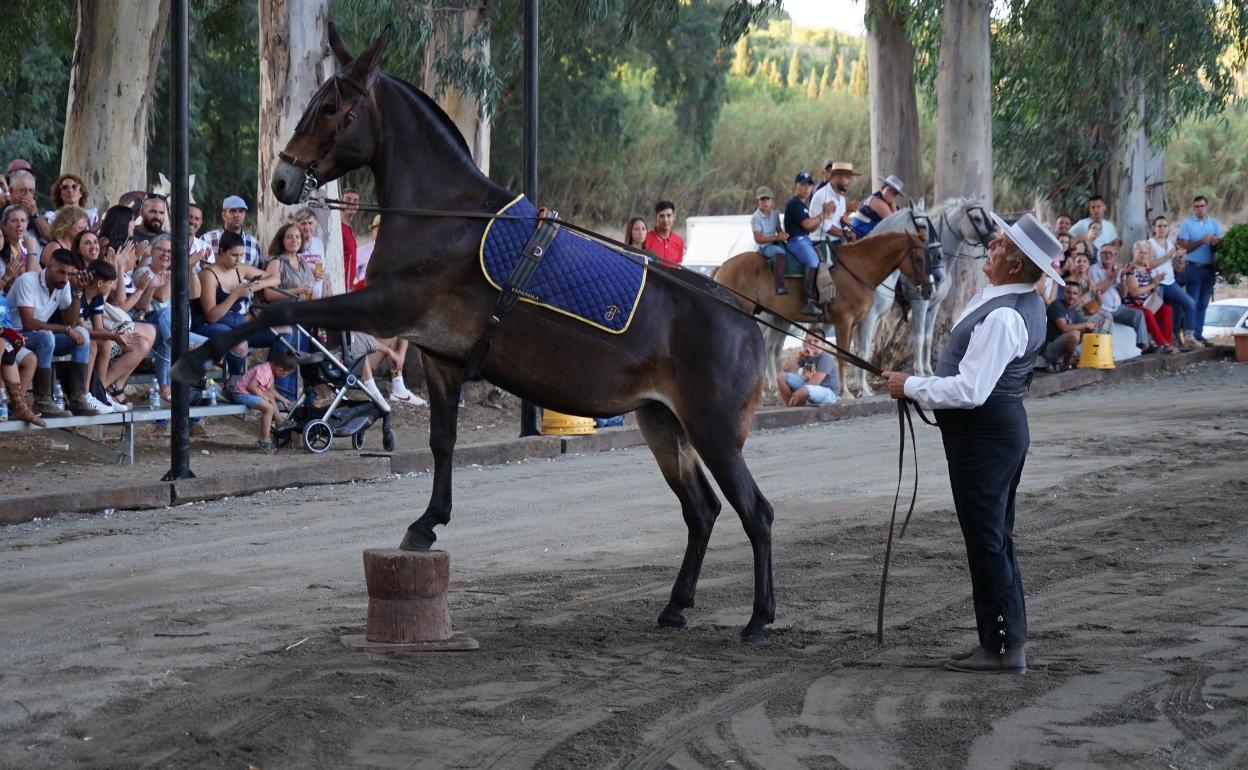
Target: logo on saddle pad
(577,277)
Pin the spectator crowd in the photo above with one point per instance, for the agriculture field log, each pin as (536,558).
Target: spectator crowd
(97,288)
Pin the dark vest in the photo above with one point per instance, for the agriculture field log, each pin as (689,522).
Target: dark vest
(1016,378)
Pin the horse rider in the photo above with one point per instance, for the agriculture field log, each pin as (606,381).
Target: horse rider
(881,203)
(798,223)
(977,397)
(833,230)
(769,236)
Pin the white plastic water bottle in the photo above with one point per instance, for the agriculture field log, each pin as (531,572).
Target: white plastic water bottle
(153,397)
(4,403)
(58,395)
(210,391)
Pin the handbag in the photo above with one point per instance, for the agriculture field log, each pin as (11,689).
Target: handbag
(1154,302)
(117,320)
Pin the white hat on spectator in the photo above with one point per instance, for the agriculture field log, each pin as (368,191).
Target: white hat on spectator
(1035,241)
(233,202)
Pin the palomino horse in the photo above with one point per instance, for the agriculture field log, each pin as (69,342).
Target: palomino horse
(425,283)
(861,267)
(963,231)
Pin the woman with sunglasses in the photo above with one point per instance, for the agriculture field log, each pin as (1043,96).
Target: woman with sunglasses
(70,190)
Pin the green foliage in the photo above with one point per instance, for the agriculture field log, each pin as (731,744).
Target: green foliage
(36,49)
(1233,253)
(1068,72)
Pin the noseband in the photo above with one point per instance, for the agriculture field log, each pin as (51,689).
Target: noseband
(336,85)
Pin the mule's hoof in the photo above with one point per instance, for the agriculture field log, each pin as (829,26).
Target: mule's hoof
(672,618)
(760,637)
(416,541)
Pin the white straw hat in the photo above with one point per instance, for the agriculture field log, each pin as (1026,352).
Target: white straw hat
(1034,240)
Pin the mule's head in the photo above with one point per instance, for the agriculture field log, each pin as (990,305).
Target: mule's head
(336,132)
(973,226)
(921,264)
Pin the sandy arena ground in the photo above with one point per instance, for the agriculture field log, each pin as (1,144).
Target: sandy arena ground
(207,635)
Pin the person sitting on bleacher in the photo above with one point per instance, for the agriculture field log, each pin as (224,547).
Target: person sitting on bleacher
(108,345)
(157,312)
(36,297)
(225,291)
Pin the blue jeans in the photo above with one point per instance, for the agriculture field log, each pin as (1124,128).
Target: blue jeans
(804,250)
(771,250)
(162,348)
(1199,280)
(249,400)
(234,364)
(815,394)
(44,344)
(1184,308)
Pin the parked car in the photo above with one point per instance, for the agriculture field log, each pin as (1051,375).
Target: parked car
(1225,316)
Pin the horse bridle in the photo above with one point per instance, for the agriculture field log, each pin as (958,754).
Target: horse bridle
(984,235)
(334,84)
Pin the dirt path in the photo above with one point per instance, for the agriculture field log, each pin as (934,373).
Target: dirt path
(1133,538)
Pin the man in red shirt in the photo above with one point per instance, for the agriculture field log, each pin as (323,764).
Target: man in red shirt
(351,204)
(661,240)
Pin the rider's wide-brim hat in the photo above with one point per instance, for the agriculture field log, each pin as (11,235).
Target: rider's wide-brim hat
(841,167)
(1035,241)
(893,182)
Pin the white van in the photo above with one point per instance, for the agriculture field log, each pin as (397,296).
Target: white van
(710,241)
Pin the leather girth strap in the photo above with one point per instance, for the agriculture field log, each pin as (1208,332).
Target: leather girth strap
(514,289)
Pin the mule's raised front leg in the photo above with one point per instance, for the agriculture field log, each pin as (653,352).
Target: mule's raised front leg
(445,381)
(698,502)
(341,311)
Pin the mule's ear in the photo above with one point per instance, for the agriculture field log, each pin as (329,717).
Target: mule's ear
(339,48)
(371,58)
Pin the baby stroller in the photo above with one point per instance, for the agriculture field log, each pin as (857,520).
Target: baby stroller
(318,426)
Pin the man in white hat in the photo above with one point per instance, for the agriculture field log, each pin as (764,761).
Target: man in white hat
(832,230)
(881,203)
(977,397)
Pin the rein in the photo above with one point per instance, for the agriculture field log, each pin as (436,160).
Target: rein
(904,420)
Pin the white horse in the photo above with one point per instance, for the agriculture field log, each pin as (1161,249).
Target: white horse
(963,228)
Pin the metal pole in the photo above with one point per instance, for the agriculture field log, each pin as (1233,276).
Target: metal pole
(179,111)
(529,416)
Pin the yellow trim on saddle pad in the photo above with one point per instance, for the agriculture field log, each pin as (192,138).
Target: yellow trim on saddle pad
(632,313)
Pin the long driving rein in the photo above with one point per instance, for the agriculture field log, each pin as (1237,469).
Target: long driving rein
(904,421)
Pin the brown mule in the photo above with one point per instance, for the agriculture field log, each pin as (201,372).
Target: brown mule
(424,283)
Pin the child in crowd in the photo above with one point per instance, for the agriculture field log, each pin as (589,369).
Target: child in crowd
(255,390)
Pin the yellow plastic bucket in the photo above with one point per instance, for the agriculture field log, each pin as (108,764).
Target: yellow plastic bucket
(559,424)
(1097,351)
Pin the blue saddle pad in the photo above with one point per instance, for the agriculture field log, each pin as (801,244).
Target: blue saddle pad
(577,277)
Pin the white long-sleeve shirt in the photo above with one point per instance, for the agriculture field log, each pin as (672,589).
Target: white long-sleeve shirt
(998,339)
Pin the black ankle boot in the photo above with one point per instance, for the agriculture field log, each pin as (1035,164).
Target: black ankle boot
(812,296)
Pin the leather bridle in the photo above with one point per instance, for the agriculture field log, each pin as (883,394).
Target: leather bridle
(335,85)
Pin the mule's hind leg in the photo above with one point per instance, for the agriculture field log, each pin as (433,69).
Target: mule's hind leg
(722,456)
(445,382)
(698,501)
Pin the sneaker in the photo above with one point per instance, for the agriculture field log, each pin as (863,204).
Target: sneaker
(1204,343)
(85,405)
(116,406)
(268,446)
(405,396)
(198,430)
(493,399)
(158,432)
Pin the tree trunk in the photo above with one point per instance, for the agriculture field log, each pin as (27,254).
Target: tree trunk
(895,147)
(293,43)
(1129,170)
(963,134)
(116,53)
(1155,186)
(454,29)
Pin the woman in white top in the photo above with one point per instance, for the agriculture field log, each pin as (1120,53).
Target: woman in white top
(1165,253)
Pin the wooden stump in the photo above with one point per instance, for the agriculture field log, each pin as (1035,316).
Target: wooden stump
(407,607)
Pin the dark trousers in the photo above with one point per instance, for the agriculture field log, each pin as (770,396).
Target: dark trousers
(986,448)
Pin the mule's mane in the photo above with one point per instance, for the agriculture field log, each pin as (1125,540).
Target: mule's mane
(899,221)
(871,242)
(440,123)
